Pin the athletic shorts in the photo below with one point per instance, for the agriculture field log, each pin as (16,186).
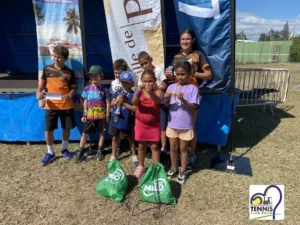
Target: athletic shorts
(92,126)
(123,133)
(67,119)
(183,134)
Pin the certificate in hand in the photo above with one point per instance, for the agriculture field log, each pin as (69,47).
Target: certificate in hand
(52,96)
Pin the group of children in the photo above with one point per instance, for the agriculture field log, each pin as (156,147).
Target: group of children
(147,112)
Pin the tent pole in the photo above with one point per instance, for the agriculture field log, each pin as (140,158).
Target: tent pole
(163,24)
(83,40)
(233,32)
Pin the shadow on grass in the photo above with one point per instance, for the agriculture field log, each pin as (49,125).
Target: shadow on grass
(176,189)
(251,125)
(132,183)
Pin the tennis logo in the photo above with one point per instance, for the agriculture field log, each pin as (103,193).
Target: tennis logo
(266,202)
(158,185)
(115,177)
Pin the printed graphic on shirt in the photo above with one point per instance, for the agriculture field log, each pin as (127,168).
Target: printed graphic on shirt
(58,81)
(96,98)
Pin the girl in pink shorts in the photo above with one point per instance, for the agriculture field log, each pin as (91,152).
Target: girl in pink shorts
(182,99)
(147,128)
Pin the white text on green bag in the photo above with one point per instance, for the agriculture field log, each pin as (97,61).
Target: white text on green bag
(158,185)
(115,177)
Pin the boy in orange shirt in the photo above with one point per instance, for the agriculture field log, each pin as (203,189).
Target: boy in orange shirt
(60,80)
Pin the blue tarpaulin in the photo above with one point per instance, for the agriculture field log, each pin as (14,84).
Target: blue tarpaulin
(210,21)
(22,120)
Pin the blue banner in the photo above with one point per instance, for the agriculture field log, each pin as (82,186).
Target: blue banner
(210,20)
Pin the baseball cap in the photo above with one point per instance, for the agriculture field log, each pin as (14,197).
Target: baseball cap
(126,76)
(95,70)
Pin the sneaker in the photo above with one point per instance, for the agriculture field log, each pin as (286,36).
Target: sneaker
(192,162)
(171,173)
(90,152)
(182,177)
(79,156)
(164,151)
(135,160)
(100,155)
(148,155)
(66,154)
(48,158)
(139,171)
(112,158)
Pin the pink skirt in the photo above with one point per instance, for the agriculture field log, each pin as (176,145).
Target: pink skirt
(143,132)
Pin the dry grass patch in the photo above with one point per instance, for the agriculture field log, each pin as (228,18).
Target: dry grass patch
(64,192)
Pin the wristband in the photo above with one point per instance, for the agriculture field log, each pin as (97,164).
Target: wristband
(84,113)
(137,94)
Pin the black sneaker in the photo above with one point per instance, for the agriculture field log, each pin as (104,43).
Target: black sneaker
(171,173)
(79,156)
(148,155)
(182,177)
(100,155)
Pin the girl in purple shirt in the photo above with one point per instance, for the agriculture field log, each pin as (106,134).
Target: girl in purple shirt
(182,99)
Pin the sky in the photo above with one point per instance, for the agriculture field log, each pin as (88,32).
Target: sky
(259,16)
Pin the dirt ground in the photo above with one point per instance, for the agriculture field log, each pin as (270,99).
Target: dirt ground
(65,192)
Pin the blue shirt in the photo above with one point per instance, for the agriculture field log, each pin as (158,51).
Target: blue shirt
(124,120)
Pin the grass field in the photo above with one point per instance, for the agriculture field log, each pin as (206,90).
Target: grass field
(64,192)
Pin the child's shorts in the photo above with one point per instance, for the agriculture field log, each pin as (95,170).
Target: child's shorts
(67,119)
(123,133)
(91,126)
(183,134)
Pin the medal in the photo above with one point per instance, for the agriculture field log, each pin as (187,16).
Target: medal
(179,103)
(116,119)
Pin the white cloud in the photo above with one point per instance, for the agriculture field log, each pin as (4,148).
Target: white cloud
(253,26)
(242,14)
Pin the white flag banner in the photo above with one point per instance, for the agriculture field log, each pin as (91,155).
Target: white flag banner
(135,26)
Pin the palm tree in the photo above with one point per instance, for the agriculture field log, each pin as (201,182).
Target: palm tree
(72,21)
(38,14)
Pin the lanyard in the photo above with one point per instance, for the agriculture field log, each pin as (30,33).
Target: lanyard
(179,102)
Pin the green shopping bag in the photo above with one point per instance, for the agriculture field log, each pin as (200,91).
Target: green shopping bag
(114,185)
(155,186)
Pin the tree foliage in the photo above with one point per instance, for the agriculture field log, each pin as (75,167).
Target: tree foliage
(72,21)
(275,35)
(241,36)
(39,15)
(285,33)
(295,50)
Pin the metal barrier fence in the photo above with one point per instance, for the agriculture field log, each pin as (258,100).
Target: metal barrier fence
(262,86)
